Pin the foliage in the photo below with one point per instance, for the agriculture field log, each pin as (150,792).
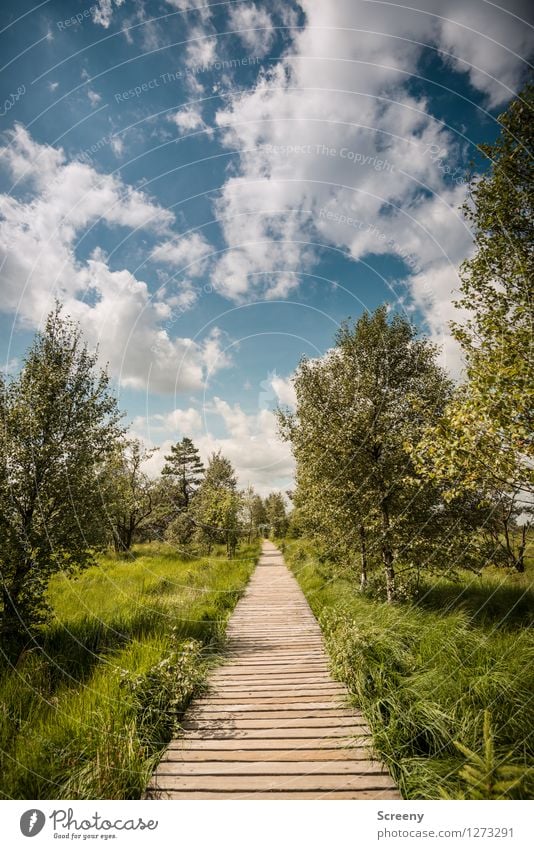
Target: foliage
(158,695)
(59,424)
(128,492)
(487,777)
(276,514)
(184,469)
(357,407)
(217,505)
(254,515)
(485,439)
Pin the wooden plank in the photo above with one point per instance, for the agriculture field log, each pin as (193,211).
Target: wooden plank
(229,733)
(278,768)
(266,744)
(239,755)
(330,723)
(292,687)
(285,795)
(274,700)
(246,783)
(251,712)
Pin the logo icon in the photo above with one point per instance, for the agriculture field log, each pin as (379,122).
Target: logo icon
(32,822)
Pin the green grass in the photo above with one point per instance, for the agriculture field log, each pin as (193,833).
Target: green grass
(426,673)
(90,706)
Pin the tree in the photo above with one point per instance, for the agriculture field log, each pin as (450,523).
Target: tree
(131,491)
(357,407)
(254,514)
(217,505)
(259,515)
(185,470)
(59,425)
(485,438)
(275,509)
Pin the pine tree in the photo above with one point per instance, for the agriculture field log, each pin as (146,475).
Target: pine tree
(184,468)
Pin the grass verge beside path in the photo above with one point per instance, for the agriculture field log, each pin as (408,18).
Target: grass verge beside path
(450,672)
(87,714)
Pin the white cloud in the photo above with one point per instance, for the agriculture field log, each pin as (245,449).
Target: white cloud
(200,7)
(490,44)
(39,232)
(117,145)
(94,98)
(201,48)
(253,446)
(253,26)
(102,11)
(186,422)
(188,119)
(285,390)
(187,253)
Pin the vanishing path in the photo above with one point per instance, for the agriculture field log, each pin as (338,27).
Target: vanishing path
(273,723)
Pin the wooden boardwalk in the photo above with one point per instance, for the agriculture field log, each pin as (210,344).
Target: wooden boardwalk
(273,723)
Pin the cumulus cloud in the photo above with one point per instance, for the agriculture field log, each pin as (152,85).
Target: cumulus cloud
(253,26)
(186,253)
(94,98)
(57,203)
(201,49)
(181,422)
(188,119)
(199,7)
(102,11)
(284,390)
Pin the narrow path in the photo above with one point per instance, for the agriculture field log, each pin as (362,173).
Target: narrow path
(273,724)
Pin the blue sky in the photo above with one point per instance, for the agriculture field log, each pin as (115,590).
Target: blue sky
(211,189)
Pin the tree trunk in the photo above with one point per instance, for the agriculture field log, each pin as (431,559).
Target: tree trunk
(520,559)
(12,626)
(387,554)
(363,559)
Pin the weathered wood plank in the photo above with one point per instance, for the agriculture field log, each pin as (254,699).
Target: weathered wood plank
(267,744)
(278,768)
(306,723)
(266,756)
(246,783)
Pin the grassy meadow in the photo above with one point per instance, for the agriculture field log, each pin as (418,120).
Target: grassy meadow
(93,701)
(444,680)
